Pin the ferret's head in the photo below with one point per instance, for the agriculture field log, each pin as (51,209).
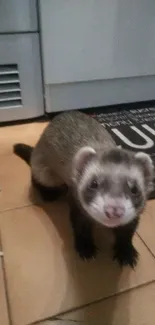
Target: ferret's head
(112,187)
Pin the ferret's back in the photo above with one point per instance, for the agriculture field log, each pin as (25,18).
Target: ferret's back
(65,134)
(71,130)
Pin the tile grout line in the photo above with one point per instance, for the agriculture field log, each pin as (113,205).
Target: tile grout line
(6,294)
(18,208)
(150,251)
(69,320)
(118,294)
(6,287)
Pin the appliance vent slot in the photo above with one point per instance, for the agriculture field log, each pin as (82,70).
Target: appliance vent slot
(10,90)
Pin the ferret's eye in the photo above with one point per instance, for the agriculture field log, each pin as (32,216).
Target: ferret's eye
(93,185)
(133,189)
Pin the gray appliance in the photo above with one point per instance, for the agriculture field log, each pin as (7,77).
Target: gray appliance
(97,53)
(21,92)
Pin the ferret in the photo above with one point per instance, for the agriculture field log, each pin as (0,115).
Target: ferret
(106,184)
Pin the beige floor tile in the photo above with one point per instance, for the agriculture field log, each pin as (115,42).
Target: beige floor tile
(147,226)
(3,305)
(14,183)
(132,308)
(44,275)
(28,133)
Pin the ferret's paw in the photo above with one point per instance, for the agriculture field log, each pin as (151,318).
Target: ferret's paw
(126,256)
(86,250)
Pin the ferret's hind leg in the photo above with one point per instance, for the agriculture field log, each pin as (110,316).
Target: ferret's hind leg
(49,193)
(48,184)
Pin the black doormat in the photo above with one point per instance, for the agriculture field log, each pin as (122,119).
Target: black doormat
(133,129)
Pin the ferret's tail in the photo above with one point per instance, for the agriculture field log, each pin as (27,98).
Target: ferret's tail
(23,151)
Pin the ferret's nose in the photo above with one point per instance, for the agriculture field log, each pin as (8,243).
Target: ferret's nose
(112,212)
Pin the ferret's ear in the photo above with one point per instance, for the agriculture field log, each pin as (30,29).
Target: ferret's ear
(81,159)
(148,168)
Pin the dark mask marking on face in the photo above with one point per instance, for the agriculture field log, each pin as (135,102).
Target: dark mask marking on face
(90,190)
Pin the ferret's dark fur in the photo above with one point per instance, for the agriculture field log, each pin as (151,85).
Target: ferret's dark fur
(104,183)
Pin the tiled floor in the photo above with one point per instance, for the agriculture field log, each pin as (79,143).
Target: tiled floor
(40,275)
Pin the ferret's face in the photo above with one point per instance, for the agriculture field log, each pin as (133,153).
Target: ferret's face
(113,187)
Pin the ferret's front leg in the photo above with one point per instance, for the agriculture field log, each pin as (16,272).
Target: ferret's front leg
(82,230)
(124,251)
